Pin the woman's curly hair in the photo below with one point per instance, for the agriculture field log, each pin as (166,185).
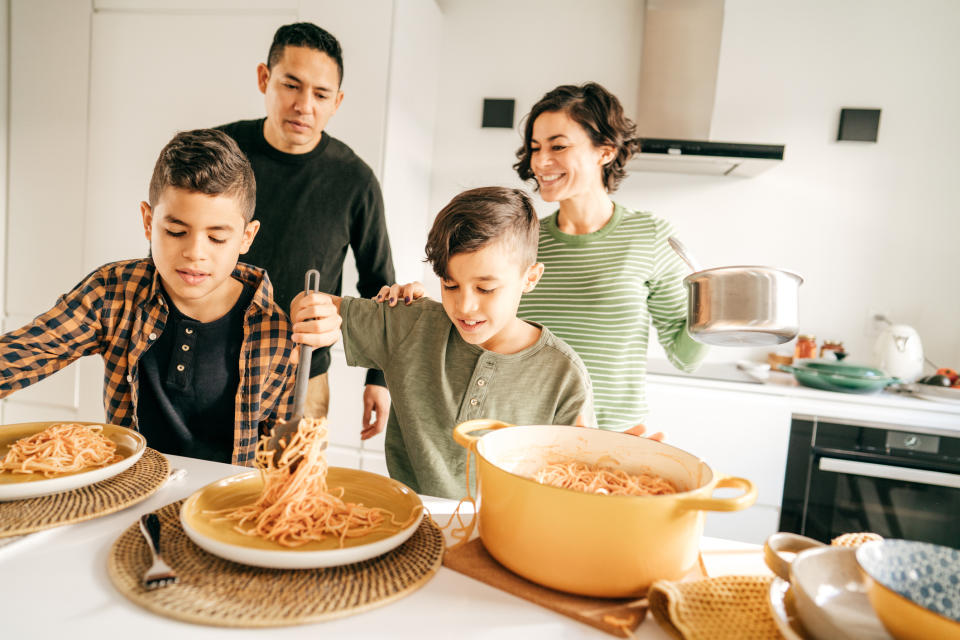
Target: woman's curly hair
(600,114)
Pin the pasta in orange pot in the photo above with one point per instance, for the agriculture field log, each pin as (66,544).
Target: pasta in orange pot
(593,478)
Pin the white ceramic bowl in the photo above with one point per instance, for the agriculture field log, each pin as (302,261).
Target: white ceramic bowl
(829,593)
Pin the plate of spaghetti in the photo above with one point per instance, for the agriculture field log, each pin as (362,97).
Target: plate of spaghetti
(298,513)
(40,458)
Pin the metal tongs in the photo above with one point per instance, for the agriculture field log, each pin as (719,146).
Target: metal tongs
(283,433)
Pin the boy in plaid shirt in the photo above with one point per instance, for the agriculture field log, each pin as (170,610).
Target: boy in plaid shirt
(197,354)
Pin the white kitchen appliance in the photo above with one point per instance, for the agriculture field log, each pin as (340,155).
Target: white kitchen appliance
(899,353)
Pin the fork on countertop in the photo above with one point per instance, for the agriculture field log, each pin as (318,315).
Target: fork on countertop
(159,574)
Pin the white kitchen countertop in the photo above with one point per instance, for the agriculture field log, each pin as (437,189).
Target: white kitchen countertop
(883,407)
(54,584)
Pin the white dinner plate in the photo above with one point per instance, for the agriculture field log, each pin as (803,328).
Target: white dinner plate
(781,605)
(19,486)
(370,489)
(935,393)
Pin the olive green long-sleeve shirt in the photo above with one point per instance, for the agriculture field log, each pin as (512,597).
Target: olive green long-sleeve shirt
(436,381)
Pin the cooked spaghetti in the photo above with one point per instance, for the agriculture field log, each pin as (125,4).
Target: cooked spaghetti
(295,506)
(592,478)
(61,448)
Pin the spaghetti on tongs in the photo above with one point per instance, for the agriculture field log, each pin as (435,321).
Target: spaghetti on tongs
(296,506)
(61,448)
(592,478)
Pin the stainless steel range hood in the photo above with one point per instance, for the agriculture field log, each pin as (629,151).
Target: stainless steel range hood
(678,85)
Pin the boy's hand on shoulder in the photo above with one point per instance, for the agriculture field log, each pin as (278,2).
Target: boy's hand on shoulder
(316,320)
(641,429)
(396,292)
(637,430)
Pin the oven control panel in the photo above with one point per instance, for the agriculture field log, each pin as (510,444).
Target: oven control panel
(922,442)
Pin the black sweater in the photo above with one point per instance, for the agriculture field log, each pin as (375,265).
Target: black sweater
(311,207)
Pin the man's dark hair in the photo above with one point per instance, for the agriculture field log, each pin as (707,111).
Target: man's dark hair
(600,114)
(205,161)
(479,217)
(306,34)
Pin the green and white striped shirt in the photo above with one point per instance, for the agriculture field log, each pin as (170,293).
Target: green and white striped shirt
(599,293)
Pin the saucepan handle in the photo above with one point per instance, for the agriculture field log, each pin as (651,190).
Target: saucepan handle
(462,433)
(736,503)
(783,542)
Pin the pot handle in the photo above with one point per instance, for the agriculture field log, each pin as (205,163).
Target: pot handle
(783,542)
(747,498)
(461,432)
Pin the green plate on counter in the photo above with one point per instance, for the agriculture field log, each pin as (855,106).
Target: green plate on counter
(838,376)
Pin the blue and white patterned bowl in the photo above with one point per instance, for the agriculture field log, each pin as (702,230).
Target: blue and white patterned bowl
(927,575)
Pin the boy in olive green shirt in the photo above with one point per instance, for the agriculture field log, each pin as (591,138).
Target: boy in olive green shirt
(469,357)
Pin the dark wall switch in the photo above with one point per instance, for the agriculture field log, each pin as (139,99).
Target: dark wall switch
(859,124)
(498,112)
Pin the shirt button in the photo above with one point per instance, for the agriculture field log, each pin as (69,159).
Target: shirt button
(185,347)
(129,378)
(152,336)
(474,401)
(481,382)
(180,367)
(188,331)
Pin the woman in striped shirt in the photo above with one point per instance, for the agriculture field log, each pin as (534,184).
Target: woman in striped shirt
(609,270)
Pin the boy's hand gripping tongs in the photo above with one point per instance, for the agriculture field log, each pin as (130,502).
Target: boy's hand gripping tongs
(283,433)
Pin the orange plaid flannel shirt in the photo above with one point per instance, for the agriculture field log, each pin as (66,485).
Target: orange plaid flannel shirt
(118,311)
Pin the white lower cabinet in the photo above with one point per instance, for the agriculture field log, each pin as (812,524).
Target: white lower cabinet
(751,525)
(736,434)
(343,457)
(374,461)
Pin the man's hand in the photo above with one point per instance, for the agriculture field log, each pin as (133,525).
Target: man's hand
(376,407)
(394,293)
(316,321)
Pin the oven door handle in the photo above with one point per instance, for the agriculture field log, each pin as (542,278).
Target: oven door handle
(888,472)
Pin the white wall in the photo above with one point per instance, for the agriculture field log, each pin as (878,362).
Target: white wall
(520,50)
(872,227)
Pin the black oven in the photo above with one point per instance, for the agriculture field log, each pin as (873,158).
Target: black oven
(844,476)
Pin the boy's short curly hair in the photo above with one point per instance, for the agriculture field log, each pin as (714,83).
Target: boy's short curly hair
(479,217)
(309,35)
(205,161)
(600,114)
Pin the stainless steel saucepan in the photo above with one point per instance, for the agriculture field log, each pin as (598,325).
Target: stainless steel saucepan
(740,306)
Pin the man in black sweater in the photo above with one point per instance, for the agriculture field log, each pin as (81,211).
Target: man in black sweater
(315,197)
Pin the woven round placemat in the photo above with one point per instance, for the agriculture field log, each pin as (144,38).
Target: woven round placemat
(218,592)
(135,484)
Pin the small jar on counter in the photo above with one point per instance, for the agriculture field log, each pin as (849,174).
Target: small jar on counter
(831,348)
(806,347)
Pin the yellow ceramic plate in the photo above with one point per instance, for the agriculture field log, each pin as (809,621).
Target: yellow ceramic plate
(370,489)
(17,486)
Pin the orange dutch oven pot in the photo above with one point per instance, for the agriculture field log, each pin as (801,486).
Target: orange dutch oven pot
(584,543)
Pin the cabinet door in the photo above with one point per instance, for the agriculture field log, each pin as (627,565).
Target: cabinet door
(151,75)
(48,55)
(736,433)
